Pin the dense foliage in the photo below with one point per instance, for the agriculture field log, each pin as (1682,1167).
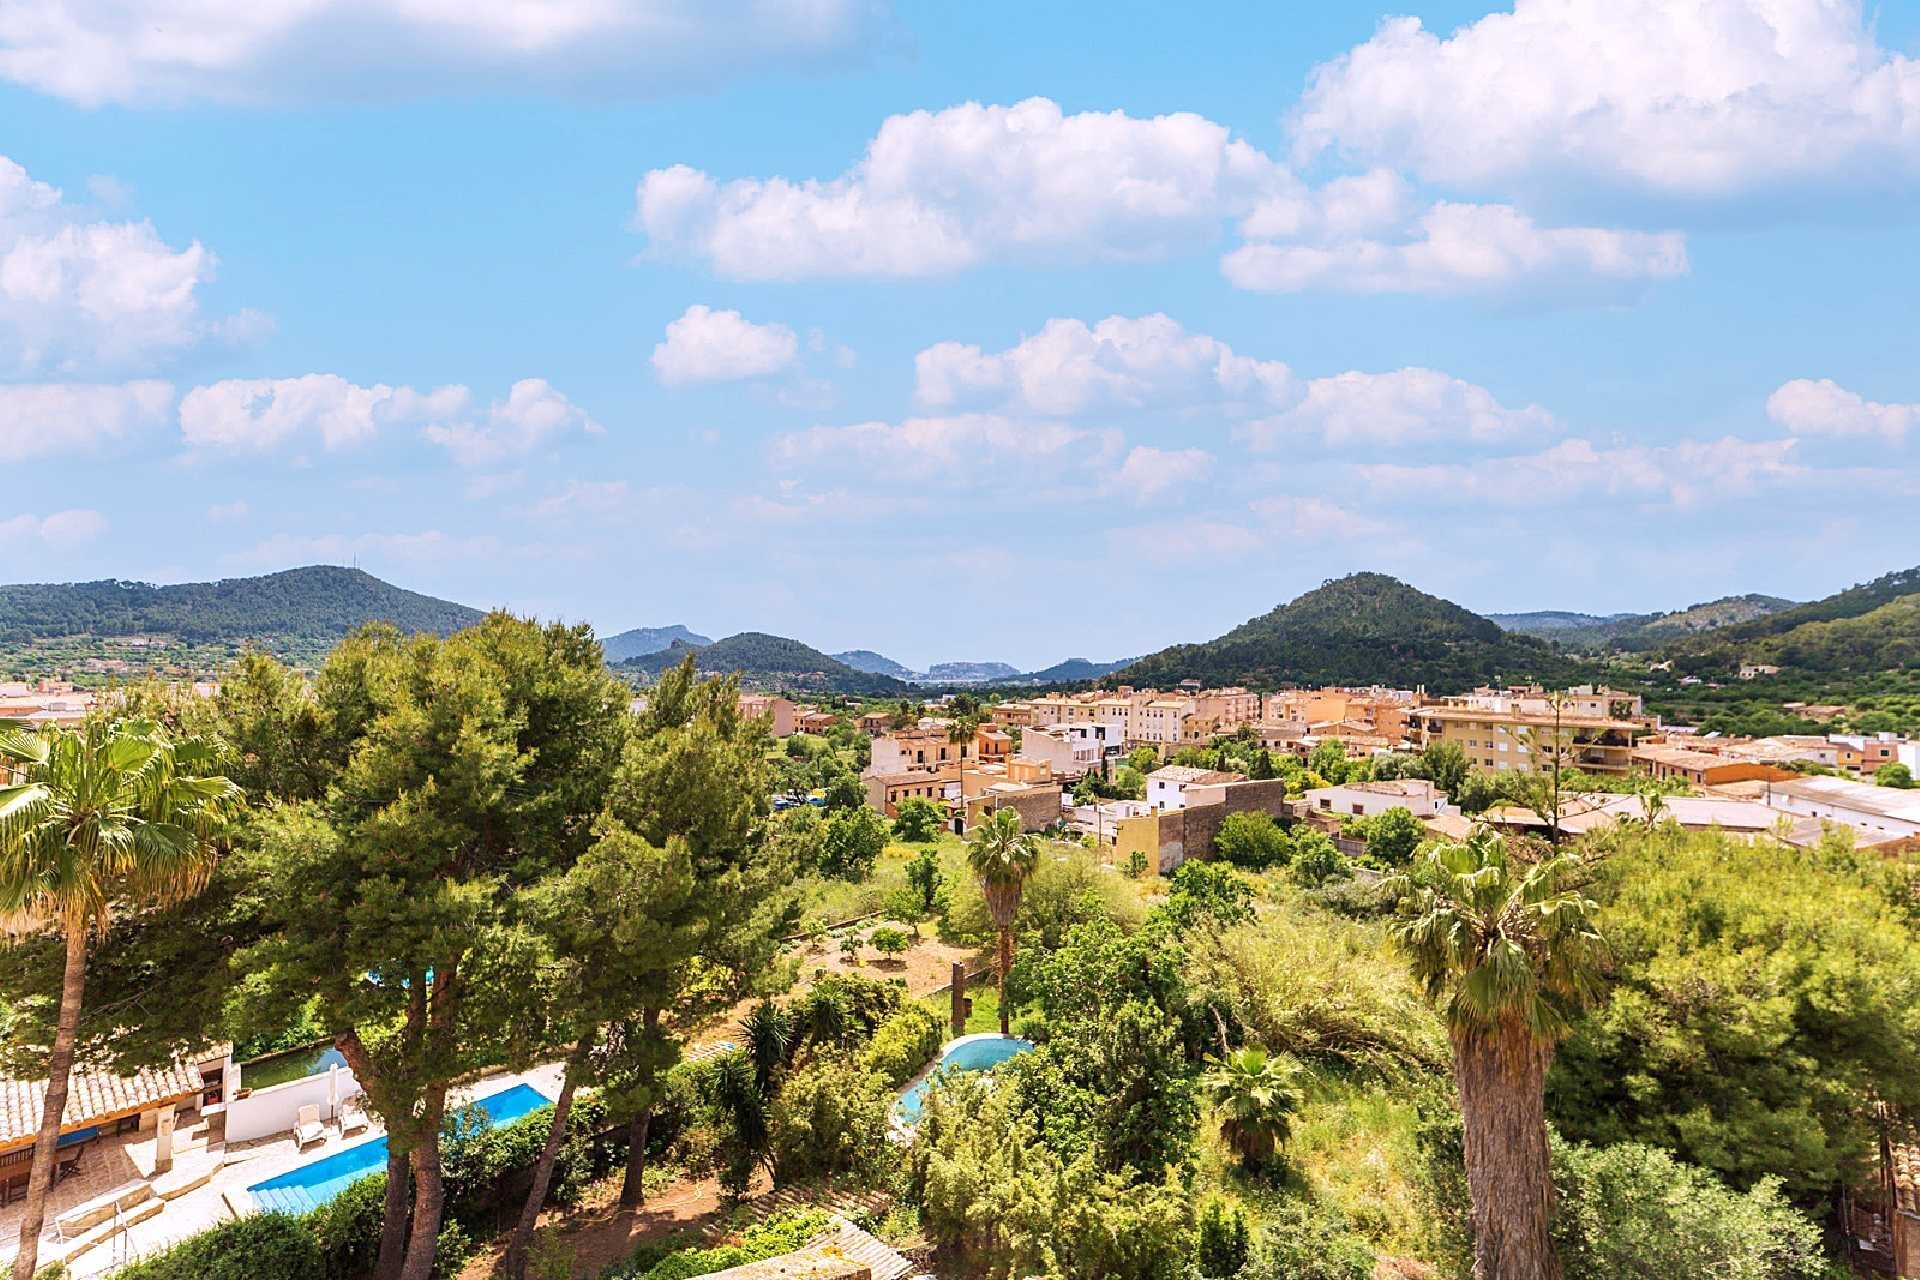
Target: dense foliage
(263,1246)
(1760,994)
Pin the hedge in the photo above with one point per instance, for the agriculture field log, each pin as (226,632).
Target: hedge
(778,1234)
(265,1246)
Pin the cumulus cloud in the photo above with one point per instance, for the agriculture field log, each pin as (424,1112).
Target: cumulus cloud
(941,191)
(532,414)
(1687,473)
(1147,474)
(257,414)
(1464,249)
(959,447)
(157,52)
(79,293)
(1121,362)
(705,345)
(39,420)
(70,528)
(1808,407)
(1402,407)
(1316,518)
(1707,99)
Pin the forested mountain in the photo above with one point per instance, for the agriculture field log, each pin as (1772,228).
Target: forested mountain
(876,664)
(1867,628)
(645,640)
(766,661)
(293,611)
(1587,632)
(1360,629)
(1074,669)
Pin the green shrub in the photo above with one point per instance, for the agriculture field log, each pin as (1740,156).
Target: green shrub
(829,1119)
(844,1009)
(1223,1245)
(904,1043)
(888,941)
(265,1246)
(348,1227)
(1631,1210)
(1300,1244)
(1251,840)
(451,1249)
(781,1233)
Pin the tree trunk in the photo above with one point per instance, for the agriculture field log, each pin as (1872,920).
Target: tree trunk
(1005,965)
(428,1201)
(543,1167)
(1502,1079)
(73,990)
(393,1217)
(633,1191)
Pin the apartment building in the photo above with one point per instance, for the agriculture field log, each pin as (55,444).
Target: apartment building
(778,712)
(1664,761)
(1596,730)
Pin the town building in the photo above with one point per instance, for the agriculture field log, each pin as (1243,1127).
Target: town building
(1665,762)
(776,711)
(1168,787)
(1417,796)
(1593,729)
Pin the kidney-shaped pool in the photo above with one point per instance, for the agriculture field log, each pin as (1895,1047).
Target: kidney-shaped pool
(968,1053)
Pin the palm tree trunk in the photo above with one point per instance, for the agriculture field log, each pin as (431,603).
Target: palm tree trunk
(1006,964)
(1502,1079)
(73,990)
(543,1167)
(393,1217)
(633,1192)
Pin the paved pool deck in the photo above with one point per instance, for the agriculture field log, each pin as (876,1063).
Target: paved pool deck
(228,1170)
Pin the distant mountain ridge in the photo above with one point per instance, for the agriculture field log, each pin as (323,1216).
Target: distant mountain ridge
(296,610)
(970,672)
(1586,632)
(769,661)
(1365,628)
(1871,627)
(876,664)
(644,640)
(1074,670)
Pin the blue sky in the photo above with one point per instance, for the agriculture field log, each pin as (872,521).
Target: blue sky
(963,331)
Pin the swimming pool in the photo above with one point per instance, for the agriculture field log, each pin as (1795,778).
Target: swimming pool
(305,1189)
(968,1053)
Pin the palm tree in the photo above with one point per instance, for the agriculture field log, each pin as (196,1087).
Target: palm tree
(1511,951)
(106,814)
(1002,856)
(1254,1095)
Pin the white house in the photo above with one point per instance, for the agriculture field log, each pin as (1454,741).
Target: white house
(1167,787)
(1877,813)
(1369,799)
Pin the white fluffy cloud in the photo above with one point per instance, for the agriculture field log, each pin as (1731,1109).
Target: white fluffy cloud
(159,51)
(1707,98)
(1316,518)
(1402,407)
(532,414)
(705,345)
(40,420)
(77,292)
(1147,474)
(941,191)
(1687,473)
(1121,362)
(69,528)
(958,448)
(1808,407)
(257,414)
(1463,249)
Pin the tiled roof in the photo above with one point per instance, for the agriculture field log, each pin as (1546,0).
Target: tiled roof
(93,1096)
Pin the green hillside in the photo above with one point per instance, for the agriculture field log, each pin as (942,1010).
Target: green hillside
(768,661)
(298,614)
(1361,629)
(1874,626)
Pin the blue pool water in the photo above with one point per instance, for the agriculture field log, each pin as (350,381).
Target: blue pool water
(305,1189)
(968,1053)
